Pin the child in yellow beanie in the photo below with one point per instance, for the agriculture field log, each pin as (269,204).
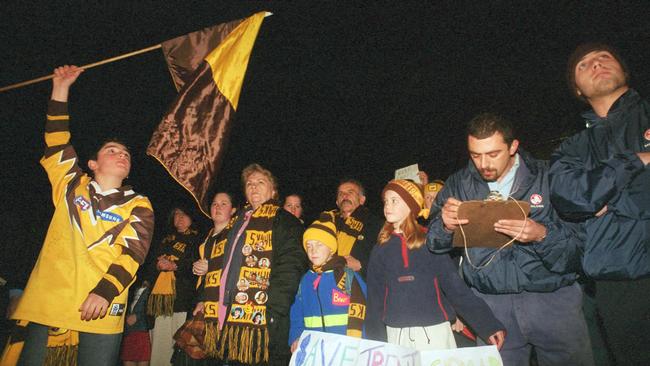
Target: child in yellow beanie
(331,297)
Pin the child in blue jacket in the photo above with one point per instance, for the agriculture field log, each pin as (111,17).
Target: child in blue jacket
(331,297)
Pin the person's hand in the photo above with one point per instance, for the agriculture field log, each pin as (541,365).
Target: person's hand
(165,264)
(458,326)
(64,76)
(450,214)
(497,339)
(200,267)
(424,178)
(532,231)
(13,304)
(200,306)
(93,307)
(602,211)
(131,319)
(644,156)
(353,263)
(294,345)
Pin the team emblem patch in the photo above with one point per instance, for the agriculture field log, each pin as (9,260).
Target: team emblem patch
(82,203)
(536,199)
(647,134)
(117,309)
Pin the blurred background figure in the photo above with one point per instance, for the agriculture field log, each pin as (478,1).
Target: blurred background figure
(173,290)
(293,204)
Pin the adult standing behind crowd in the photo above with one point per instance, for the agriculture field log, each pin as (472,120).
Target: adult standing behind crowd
(256,275)
(222,210)
(173,290)
(293,203)
(601,176)
(356,227)
(530,285)
(98,237)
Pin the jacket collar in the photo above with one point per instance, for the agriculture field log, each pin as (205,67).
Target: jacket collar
(629,98)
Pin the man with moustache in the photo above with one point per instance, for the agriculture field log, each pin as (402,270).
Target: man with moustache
(356,228)
(529,285)
(601,177)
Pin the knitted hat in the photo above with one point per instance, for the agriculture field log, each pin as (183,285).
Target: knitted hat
(323,231)
(580,52)
(408,191)
(434,186)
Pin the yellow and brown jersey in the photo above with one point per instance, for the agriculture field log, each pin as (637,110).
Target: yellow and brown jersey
(95,243)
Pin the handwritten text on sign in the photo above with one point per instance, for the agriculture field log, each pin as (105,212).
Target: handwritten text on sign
(324,349)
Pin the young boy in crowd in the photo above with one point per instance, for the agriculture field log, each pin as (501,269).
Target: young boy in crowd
(329,291)
(98,237)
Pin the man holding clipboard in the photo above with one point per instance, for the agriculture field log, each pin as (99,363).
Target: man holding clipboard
(519,256)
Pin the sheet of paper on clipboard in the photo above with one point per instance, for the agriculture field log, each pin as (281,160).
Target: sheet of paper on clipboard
(482,215)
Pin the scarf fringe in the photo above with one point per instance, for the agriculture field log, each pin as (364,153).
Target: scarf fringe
(244,344)
(64,355)
(211,339)
(161,299)
(160,305)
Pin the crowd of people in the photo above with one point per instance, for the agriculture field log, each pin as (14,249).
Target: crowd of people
(262,275)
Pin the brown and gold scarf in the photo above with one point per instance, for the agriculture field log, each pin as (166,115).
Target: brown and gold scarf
(62,346)
(348,230)
(244,334)
(161,300)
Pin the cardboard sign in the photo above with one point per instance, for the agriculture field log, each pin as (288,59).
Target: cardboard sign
(409,172)
(482,215)
(325,349)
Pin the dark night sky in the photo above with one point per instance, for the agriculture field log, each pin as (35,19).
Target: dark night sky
(332,89)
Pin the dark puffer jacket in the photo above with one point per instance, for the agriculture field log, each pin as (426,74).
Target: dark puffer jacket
(537,267)
(599,167)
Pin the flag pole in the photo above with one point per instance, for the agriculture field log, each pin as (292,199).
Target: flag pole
(109,60)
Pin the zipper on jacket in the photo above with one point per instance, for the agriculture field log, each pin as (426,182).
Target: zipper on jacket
(322,318)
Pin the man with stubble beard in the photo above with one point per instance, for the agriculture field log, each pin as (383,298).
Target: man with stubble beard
(601,177)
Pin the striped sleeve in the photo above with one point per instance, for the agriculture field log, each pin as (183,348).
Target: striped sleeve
(59,159)
(134,241)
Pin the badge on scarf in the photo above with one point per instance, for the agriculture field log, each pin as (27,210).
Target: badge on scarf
(340,298)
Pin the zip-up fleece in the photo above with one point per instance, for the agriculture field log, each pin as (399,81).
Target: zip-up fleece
(413,288)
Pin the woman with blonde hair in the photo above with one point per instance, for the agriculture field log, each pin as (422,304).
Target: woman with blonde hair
(241,328)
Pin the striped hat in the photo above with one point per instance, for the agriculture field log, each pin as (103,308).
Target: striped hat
(410,193)
(323,231)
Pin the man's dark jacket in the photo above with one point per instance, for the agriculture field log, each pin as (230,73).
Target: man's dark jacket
(599,167)
(536,267)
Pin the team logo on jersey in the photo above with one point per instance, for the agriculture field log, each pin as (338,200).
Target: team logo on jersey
(536,200)
(109,216)
(647,134)
(82,203)
(117,309)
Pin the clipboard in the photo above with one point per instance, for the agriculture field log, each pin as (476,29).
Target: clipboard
(482,215)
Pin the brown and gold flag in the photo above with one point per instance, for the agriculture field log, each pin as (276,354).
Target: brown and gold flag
(208,68)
